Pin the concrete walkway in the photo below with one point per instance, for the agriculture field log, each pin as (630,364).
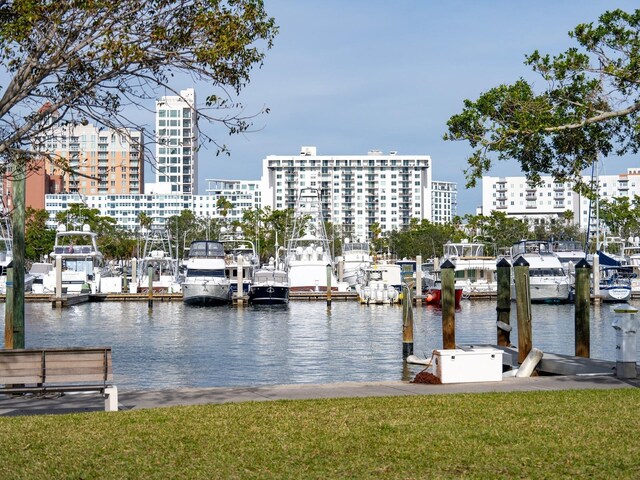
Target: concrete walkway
(134,400)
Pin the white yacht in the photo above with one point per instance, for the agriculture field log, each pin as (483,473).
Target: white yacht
(81,260)
(6,256)
(474,271)
(548,281)
(308,260)
(237,249)
(356,258)
(381,284)
(205,282)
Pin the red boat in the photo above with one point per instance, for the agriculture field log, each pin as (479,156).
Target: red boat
(433,294)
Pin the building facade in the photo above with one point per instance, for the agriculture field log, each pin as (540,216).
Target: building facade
(356,191)
(91,160)
(176,144)
(444,201)
(539,203)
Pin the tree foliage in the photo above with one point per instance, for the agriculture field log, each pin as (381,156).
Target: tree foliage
(423,238)
(92,59)
(621,215)
(589,107)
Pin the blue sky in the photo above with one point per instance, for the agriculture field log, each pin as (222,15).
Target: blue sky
(351,76)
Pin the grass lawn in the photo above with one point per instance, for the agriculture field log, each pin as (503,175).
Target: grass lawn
(564,434)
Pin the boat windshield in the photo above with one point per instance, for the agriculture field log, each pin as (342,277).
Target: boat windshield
(546,272)
(204,272)
(206,249)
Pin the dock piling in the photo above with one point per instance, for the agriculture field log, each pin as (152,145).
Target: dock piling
(407,321)
(582,309)
(150,293)
(448,301)
(503,306)
(329,269)
(523,307)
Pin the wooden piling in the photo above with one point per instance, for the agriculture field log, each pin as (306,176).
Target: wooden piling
(150,292)
(503,307)
(134,273)
(418,280)
(328,285)
(523,307)
(407,321)
(448,302)
(582,308)
(240,278)
(58,277)
(8,312)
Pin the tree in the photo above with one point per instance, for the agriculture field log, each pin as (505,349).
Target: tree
(39,239)
(90,60)
(224,205)
(72,61)
(588,109)
(621,215)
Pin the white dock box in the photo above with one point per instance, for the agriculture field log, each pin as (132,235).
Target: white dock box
(477,364)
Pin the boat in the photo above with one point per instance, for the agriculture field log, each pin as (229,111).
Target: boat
(81,262)
(474,271)
(433,295)
(238,250)
(548,282)
(158,256)
(205,282)
(355,259)
(308,260)
(6,257)
(382,284)
(269,286)
(569,252)
(615,279)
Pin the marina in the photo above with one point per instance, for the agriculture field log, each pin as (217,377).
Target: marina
(175,345)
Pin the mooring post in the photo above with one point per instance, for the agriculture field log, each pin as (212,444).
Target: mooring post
(341,271)
(240,291)
(448,303)
(418,279)
(523,307)
(596,278)
(134,274)
(582,308)
(58,278)
(8,313)
(503,306)
(150,292)
(407,320)
(328,285)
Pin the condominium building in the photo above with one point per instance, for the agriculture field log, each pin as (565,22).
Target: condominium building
(538,203)
(356,191)
(444,201)
(241,195)
(177,144)
(91,160)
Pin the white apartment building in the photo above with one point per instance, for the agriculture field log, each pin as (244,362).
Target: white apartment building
(242,194)
(517,198)
(444,201)
(356,191)
(177,145)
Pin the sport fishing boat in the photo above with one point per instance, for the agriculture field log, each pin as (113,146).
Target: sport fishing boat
(81,260)
(205,282)
(308,259)
(238,250)
(548,281)
(159,258)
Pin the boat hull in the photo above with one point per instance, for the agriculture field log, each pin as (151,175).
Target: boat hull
(268,295)
(615,294)
(206,294)
(434,297)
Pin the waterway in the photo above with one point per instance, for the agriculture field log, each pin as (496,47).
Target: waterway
(175,345)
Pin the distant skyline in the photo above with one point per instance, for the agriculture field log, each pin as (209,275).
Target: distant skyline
(349,77)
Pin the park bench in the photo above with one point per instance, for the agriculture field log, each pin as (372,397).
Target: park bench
(59,370)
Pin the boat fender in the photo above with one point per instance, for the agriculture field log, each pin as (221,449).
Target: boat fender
(504,326)
(530,363)
(417,360)
(510,373)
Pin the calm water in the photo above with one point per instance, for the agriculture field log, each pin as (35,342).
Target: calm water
(181,346)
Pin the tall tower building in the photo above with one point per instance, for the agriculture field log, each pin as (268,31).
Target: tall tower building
(177,144)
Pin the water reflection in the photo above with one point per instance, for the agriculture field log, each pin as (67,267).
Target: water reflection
(174,345)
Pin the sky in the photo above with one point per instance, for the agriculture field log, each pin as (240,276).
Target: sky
(352,76)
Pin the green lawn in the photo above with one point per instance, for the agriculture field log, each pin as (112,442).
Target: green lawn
(566,434)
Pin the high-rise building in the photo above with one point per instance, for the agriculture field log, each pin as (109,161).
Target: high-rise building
(177,144)
(356,191)
(92,160)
